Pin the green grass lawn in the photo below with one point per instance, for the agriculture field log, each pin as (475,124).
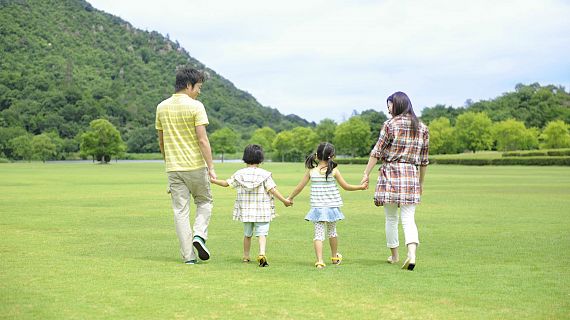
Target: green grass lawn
(84,241)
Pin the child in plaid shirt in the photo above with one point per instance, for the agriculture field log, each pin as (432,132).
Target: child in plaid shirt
(254,205)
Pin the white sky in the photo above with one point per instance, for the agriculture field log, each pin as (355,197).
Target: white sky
(323,59)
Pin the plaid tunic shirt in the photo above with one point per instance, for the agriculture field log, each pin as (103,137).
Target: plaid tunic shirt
(254,203)
(401,154)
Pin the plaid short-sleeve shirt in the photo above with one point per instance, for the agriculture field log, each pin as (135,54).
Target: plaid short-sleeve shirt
(253,203)
(401,153)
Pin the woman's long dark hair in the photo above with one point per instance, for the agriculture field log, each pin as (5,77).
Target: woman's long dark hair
(325,152)
(401,104)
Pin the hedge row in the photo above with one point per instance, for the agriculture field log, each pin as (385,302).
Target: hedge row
(544,153)
(351,160)
(522,161)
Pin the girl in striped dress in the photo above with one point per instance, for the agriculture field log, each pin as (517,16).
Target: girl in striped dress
(323,173)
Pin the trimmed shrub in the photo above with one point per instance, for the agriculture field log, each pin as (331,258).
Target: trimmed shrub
(542,153)
(352,160)
(522,161)
(525,154)
(561,152)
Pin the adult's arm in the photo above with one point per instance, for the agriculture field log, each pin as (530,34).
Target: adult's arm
(371,163)
(423,170)
(205,149)
(161,142)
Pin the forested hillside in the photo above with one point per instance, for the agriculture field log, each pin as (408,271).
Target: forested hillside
(64,63)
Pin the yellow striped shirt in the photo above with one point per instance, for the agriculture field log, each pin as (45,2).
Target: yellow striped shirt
(178,117)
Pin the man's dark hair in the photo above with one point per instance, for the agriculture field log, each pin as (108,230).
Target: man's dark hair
(188,76)
(253,154)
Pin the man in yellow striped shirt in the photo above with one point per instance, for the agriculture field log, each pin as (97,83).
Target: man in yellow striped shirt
(181,122)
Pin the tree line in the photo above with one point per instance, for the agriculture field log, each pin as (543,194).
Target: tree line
(467,130)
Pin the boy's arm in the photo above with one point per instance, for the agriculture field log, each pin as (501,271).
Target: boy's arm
(279,196)
(300,186)
(346,186)
(221,183)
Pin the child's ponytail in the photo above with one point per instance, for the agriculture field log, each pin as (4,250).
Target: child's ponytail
(330,167)
(311,161)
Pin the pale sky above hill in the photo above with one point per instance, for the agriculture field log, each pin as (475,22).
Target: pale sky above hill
(323,59)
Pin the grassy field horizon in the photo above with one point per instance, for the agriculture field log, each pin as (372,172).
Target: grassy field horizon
(97,241)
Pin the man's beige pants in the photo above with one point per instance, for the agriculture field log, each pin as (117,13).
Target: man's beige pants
(182,186)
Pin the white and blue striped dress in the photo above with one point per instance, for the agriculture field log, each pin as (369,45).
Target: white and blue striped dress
(325,197)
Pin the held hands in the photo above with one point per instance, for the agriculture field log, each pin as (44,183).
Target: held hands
(364,182)
(212,174)
(288,202)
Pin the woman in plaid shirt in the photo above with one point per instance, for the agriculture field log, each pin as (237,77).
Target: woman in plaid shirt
(403,149)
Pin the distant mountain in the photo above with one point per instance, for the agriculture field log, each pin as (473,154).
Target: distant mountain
(64,63)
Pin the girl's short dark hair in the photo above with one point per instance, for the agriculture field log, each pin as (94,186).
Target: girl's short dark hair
(253,154)
(188,76)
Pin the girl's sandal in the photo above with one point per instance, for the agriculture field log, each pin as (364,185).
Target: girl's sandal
(262,260)
(245,260)
(337,260)
(320,265)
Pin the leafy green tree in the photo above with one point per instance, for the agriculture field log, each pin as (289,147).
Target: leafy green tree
(325,130)
(142,140)
(102,141)
(22,147)
(43,147)
(376,120)
(264,137)
(306,141)
(556,135)
(440,111)
(58,143)
(284,144)
(513,135)
(442,138)
(473,131)
(224,141)
(353,137)
(7,134)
